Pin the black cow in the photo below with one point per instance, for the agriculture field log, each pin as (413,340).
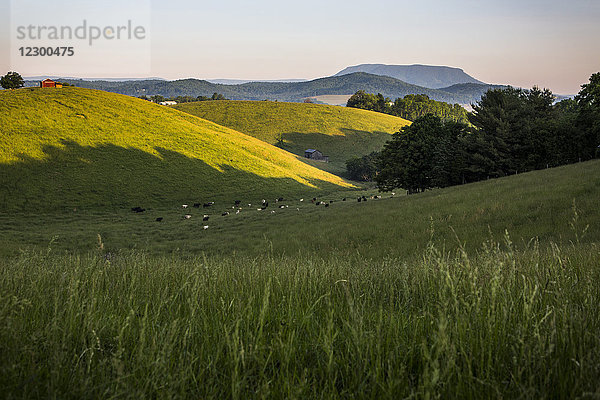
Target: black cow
(159,219)
(138,209)
(205,218)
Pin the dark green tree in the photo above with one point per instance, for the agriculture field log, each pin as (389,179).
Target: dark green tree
(12,80)
(157,98)
(407,160)
(362,100)
(588,119)
(363,168)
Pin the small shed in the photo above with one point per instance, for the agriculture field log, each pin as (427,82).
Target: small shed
(46,83)
(315,155)
(168,103)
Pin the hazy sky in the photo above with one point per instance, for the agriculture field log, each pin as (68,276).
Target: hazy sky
(551,43)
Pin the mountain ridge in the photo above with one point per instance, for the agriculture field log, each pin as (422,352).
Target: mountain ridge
(290,92)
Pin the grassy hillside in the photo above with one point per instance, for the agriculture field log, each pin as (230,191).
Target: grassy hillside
(74,148)
(551,205)
(338,132)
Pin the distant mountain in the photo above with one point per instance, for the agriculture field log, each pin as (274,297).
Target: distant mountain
(280,91)
(242,81)
(429,76)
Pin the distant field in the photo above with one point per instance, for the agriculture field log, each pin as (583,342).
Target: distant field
(75,148)
(339,132)
(333,99)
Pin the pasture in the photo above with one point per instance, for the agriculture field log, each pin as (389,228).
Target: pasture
(540,204)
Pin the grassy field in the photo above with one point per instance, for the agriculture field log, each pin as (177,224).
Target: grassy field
(77,148)
(338,132)
(538,204)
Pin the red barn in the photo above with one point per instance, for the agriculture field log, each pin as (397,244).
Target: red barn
(50,83)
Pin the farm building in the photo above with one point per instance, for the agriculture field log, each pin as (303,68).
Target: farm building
(315,155)
(168,103)
(46,83)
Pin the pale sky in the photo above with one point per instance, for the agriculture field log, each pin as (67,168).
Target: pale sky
(549,43)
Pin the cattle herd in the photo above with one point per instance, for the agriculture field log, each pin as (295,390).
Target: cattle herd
(264,205)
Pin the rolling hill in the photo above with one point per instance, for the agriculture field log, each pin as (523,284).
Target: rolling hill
(429,76)
(338,132)
(281,91)
(73,148)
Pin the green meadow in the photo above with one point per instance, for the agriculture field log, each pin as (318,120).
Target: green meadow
(339,132)
(486,290)
(76,148)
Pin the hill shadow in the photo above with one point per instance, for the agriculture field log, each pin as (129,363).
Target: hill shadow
(76,176)
(353,143)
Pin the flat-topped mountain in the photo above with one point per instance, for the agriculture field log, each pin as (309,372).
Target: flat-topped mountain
(429,76)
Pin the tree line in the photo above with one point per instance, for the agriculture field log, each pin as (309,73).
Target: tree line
(411,106)
(509,131)
(182,99)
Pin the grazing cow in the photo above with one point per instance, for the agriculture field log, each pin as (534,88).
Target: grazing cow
(393,194)
(327,204)
(330,201)
(187,216)
(225,214)
(159,219)
(196,205)
(184,206)
(282,206)
(138,209)
(210,203)
(237,212)
(280,199)
(265,204)
(344,199)
(237,203)
(301,200)
(273,212)
(205,217)
(249,205)
(205,227)
(359,199)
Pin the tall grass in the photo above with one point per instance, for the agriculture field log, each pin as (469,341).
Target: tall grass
(498,323)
